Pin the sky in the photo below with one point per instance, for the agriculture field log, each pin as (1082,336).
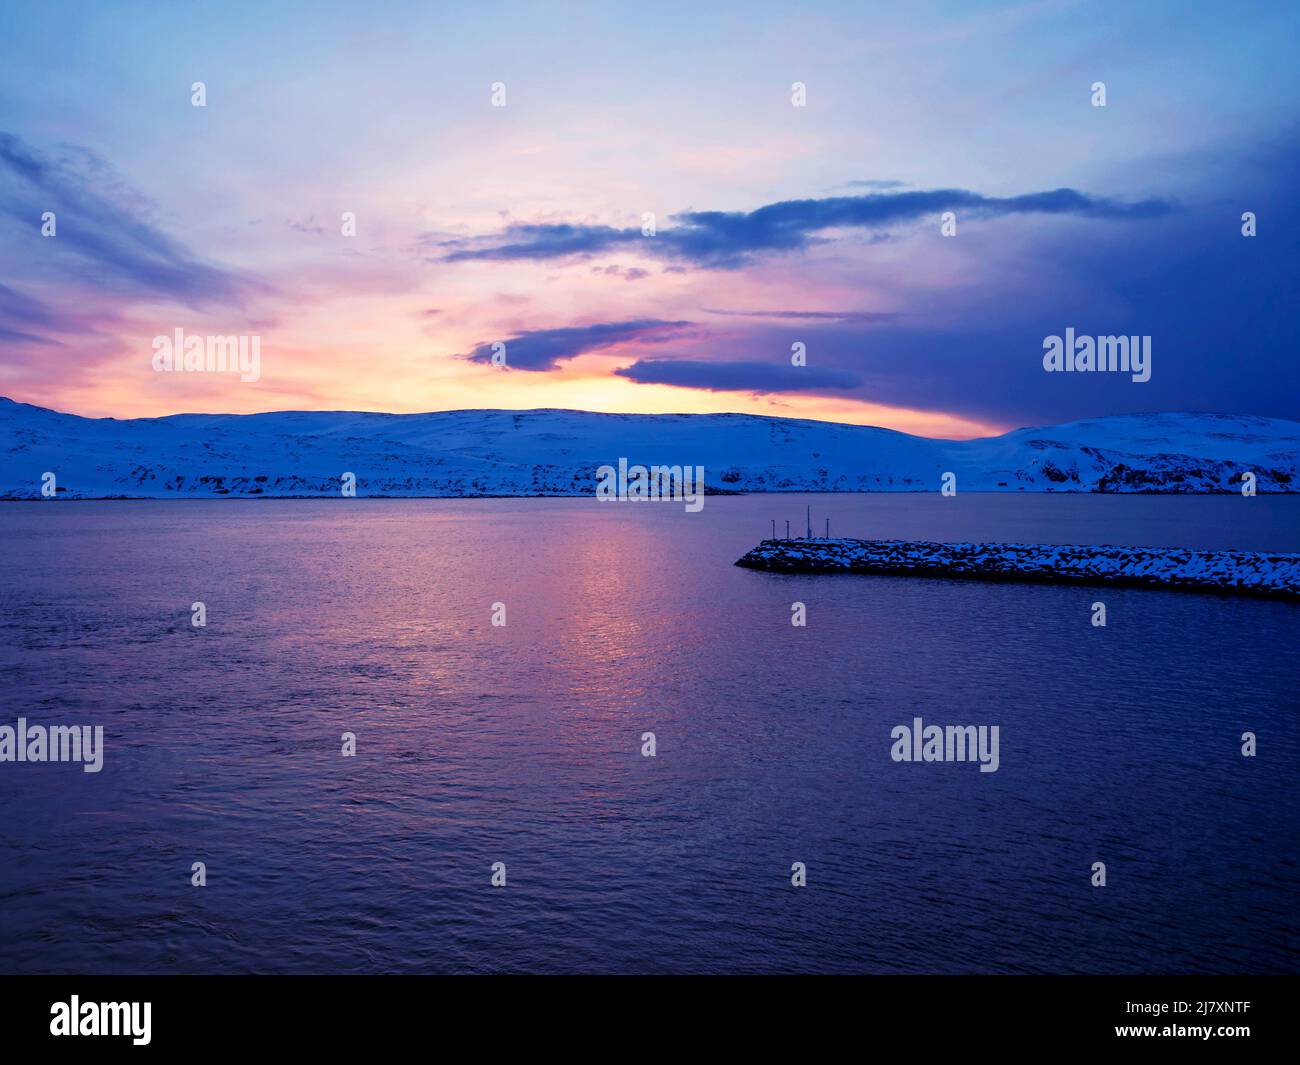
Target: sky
(774,225)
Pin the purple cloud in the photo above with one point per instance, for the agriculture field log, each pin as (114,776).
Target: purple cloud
(544,349)
(731,239)
(103,234)
(737,376)
(863,317)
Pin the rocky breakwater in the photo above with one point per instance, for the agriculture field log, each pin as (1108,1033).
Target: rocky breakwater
(1253,573)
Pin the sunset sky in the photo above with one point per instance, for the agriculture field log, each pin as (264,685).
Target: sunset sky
(775,224)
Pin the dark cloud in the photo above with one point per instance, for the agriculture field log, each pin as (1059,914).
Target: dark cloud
(1216,304)
(24,319)
(544,349)
(877,184)
(730,239)
(864,317)
(14,336)
(17,307)
(628,273)
(103,225)
(546,241)
(310,226)
(737,376)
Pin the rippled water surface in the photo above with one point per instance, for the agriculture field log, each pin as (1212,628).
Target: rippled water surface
(478,744)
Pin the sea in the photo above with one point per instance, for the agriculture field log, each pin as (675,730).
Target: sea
(583,740)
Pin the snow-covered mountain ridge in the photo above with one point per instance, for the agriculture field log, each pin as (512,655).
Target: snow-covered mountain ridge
(557,452)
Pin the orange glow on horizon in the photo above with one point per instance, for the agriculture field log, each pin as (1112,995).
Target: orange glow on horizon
(607,395)
(414,373)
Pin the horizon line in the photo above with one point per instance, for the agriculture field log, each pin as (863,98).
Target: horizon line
(635,414)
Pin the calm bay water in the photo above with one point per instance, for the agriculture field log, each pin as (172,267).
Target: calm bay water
(521,744)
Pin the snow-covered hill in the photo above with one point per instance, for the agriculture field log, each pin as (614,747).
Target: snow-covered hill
(557,452)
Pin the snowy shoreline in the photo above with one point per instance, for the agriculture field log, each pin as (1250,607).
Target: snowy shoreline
(555,453)
(1251,573)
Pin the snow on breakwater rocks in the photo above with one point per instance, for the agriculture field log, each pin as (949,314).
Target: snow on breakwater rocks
(1226,572)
